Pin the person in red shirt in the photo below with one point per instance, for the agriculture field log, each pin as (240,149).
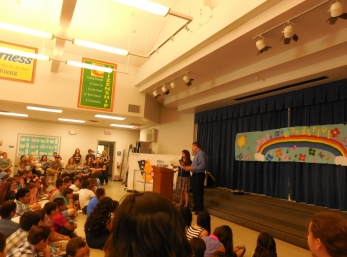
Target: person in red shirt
(60,224)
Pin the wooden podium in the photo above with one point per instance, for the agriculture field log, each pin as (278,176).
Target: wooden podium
(163,181)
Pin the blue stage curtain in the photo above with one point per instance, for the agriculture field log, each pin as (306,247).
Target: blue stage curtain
(218,141)
(319,184)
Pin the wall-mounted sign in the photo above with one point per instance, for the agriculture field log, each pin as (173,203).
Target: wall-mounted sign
(15,67)
(107,132)
(97,87)
(326,144)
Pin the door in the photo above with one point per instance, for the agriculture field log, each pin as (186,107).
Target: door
(109,147)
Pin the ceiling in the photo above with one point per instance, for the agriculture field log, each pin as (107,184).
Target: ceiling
(229,71)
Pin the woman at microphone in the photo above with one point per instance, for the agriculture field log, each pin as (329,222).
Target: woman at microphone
(183,177)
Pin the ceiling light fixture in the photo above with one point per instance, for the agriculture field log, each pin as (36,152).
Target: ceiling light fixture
(121,126)
(187,80)
(336,11)
(260,44)
(89,66)
(147,6)
(165,90)
(33,108)
(32,32)
(14,114)
(288,33)
(100,47)
(24,54)
(172,84)
(108,117)
(72,120)
(156,94)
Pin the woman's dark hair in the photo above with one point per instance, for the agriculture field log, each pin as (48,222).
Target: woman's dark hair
(331,229)
(225,236)
(187,161)
(5,189)
(147,224)
(101,215)
(204,220)
(186,215)
(266,246)
(20,159)
(42,157)
(198,247)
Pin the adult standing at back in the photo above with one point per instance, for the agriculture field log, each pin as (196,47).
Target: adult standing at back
(198,168)
(90,155)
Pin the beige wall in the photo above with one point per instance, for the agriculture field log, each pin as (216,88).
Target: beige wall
(176,132)
(86,137)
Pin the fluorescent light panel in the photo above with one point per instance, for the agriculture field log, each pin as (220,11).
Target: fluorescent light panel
(121,126)
(24,54)
(71,120)
(147,6)
(14,114)
(32,32)
(99,47)
(109,117)
(89,66)
(43,109)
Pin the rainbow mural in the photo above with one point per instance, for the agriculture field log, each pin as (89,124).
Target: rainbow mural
(316,144)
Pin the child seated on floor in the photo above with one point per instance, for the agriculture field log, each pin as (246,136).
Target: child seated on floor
(61,225)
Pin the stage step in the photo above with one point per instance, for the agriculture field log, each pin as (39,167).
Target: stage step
(285,220)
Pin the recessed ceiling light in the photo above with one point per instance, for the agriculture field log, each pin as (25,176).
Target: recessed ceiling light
(109,117)
(14,114)
(121,126)
(43,109)
(71,120)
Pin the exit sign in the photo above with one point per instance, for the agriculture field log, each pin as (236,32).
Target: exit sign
(107,132)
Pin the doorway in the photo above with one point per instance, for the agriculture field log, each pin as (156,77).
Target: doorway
(109,147)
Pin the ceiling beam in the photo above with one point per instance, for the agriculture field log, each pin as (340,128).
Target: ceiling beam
(67,12)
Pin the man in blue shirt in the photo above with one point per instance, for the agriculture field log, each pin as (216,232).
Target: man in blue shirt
(99,195)
(198,167)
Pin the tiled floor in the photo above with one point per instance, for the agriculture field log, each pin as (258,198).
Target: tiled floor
(242,235)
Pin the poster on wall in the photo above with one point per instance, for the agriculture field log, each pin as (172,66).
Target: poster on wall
(325,144)
(15,67)
(37,145)
(97,87)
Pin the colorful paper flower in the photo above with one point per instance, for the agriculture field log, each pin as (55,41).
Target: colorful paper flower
(335,132)
(269,157)
(247,157)
(302,157)
(279,152)
(312,152)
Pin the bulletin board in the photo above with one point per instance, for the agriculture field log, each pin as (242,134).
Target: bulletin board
(37,145)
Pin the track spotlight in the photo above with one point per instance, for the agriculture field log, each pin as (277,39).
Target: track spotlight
(172,84)
(187,80)
(165,90)
(288,33)
(336,11)
(156,94)
(260,44)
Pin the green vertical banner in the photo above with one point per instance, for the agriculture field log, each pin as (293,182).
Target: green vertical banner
(97,87)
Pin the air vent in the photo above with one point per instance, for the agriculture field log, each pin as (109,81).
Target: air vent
(135,124)
(285,87)
(134,108)
(93,120)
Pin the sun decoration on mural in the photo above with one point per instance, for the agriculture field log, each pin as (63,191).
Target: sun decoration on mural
(241,141)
